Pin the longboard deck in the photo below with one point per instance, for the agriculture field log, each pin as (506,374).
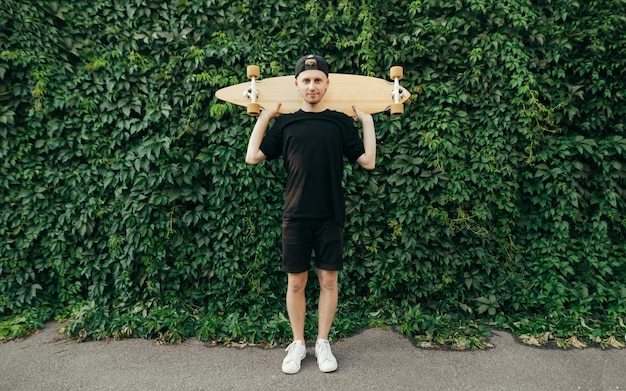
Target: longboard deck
(370,94)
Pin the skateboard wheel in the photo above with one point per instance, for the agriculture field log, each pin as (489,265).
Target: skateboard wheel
(397,109)
(396,73)
(254,109)
(253,71)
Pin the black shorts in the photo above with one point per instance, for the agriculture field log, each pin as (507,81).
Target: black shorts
(303,236)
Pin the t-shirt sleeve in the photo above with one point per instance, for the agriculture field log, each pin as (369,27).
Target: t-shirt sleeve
(352,144)
(272,144)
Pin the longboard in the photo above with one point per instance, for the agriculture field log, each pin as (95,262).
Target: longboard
(370,94)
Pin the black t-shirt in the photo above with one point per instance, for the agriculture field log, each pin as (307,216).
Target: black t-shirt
(313,146)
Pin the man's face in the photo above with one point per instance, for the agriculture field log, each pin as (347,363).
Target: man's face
(312,85)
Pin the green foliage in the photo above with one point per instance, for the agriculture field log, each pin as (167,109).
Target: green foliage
(498,198)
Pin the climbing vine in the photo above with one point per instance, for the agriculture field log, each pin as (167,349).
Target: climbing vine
(498,198)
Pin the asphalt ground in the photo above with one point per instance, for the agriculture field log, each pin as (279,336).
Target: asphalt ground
(374,359)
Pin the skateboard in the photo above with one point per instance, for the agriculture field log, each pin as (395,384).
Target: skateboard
(369,94)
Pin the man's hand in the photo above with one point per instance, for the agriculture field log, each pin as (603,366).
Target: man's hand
(272,113)
(361,116)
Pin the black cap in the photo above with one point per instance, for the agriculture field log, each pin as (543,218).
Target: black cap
(311,62)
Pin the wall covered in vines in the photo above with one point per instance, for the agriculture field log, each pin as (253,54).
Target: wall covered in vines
(498,199)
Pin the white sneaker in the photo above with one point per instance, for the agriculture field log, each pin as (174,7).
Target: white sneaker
(325,359)
(296,352)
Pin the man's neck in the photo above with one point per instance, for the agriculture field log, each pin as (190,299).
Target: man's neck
(316,108)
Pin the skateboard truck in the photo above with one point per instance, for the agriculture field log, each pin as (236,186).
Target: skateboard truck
(397,94)
(252,93)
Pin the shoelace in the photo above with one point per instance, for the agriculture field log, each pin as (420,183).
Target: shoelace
(324,351)
(291,350)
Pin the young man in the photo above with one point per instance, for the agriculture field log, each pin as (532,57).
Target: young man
(313,142)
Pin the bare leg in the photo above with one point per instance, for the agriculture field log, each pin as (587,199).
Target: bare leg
(327,306)
(296,303)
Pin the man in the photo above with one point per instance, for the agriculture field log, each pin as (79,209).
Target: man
(313,142)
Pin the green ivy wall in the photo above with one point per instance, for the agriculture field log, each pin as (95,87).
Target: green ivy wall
(498,199)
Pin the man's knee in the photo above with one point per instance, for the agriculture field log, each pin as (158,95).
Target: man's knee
(328,279)
(296,282)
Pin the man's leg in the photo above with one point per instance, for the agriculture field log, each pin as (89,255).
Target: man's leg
(329,293)
(296,308)
(296,303)
(327,306)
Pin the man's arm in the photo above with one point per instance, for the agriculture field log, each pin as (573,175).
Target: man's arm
(254,154)
(368,159)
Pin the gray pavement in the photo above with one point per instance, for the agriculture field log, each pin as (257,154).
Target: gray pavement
(375,359)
